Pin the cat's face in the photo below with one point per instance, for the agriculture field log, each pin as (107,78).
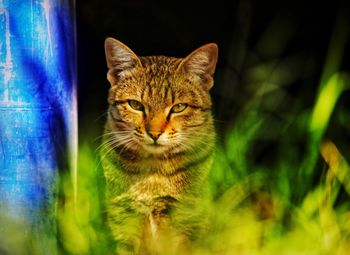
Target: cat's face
(159,105)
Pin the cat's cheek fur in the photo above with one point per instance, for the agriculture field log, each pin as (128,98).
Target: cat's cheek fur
(114,113)
(134,118)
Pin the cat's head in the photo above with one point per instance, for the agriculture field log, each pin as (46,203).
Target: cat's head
(158,104)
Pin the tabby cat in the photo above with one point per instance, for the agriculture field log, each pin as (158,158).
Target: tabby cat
(157,147)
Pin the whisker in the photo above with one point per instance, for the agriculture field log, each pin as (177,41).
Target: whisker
(100,116)
(106,145)
(115,134)
(220,121)
(110,149)
(111,145)
(112,141)
(116,140)
(127,145)
(192,147)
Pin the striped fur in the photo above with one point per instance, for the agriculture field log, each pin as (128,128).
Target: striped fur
(146,178)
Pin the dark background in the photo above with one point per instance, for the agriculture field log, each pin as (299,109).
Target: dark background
(287,39)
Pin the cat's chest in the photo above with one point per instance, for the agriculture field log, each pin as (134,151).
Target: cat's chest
(149,187)
(154,196)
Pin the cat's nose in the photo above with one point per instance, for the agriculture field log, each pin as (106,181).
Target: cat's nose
(154,134)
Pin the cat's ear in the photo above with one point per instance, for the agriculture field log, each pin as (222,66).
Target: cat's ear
(201,63)
(120,59)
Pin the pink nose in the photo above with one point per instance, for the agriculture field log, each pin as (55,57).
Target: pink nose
(154,134)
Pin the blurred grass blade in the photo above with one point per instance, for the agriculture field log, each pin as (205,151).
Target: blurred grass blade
(337,164)
(337,45)
(325,104)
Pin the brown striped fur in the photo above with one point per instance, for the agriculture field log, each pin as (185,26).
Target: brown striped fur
(155,158)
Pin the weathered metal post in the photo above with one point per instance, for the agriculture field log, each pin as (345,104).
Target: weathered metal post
(37,116)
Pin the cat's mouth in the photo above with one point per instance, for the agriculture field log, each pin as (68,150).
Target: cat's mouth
(155,148)
(155,145)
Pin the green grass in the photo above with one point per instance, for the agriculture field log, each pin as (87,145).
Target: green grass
(293,205)
(279,185)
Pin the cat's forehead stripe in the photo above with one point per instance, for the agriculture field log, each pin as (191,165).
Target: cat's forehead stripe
(160,63)
(157,70)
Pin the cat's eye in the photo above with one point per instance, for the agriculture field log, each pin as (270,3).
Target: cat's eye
(136,105)
(178,108)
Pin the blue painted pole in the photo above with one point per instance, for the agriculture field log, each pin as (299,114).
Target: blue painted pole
(37,109)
